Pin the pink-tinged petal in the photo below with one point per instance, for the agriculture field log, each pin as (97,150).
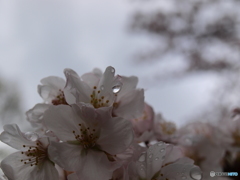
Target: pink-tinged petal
(107,79)
(116,135)
(35,114)
(14,137)
(74,82)
(50,87)
(91,79)
(67,156)
(173,153)
(14,169)
(62,121)
(88,164)
(143,123)
(129,84)
(181,169)
(155,156)
(131,105)
(150,163)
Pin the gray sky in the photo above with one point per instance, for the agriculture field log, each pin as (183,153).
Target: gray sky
(41,38)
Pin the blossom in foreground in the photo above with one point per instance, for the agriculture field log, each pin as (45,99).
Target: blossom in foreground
(164,161)
(91,137)
(32,161)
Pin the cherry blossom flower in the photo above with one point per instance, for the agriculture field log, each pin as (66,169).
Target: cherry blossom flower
(164,130)
(144,122)
(51,90)
(106,89)
(91,137)
(32,161)
(205,144)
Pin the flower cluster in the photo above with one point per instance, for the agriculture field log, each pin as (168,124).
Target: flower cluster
(95,127)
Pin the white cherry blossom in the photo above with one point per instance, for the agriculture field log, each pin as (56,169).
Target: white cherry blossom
(106,89)
(32,161)
(91,138)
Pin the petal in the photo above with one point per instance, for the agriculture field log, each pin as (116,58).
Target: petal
(116,135)
(36,113)
(173,153)
(129,84)
(89,165)
(151,162)
(155,156)
(13,168)
(62,120)
(91,79)
(131,105)
(14,137)
(181,169)
(74,82)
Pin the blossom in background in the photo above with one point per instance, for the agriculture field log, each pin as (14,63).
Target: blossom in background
(32,161)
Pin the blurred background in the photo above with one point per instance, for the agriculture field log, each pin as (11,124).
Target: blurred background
(185,53)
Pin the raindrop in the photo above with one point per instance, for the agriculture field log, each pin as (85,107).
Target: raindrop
(162,150)
(156,158)
(142,158)
(195,173)
(184,177)
(116,88)
(150,156)
(31,136)
(102,87)
(160,143)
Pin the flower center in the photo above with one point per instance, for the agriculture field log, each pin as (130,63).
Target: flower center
(97,101)
(87,137)
(60,99)
(168,128)
(35,154)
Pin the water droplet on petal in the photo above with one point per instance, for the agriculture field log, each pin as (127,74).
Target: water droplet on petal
(160,144)
(184,177)
(116,88)
(156,158)
(150,156)
(142,158)
(162,150)
(195,173)
(31,136)
(102,87)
